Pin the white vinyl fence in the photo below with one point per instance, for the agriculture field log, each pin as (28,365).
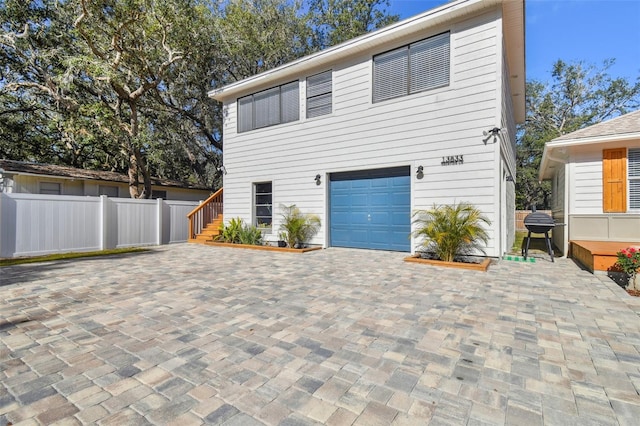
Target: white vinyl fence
(33,224)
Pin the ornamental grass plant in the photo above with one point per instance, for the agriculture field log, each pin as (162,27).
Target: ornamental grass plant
(451,231)
(297,228)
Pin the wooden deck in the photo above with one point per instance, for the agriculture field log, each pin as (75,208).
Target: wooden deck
(598,255)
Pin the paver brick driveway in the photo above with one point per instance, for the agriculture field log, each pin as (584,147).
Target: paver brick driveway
(188,334)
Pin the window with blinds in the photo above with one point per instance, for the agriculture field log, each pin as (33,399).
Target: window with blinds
(319,88)
(634,178)
(414,68)
(280,104)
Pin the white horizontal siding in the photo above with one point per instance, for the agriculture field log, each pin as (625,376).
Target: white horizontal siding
(586,179)
(413,130)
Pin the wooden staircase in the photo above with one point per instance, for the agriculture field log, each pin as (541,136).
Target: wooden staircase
(209,232)
(205,220)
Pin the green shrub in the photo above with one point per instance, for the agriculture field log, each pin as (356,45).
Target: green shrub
(451,230)
(297,228)
(237,232)
(230,233)
(250,235)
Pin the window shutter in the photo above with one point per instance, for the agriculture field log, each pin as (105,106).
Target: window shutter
(614,180)
(290,102)
(429,62)
(319,97)
(245,114)
(390,74)
(634,178)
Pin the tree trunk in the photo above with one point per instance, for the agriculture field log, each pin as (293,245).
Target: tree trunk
(133,175)
(146,176)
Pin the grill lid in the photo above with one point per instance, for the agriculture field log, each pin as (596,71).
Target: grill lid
(539,218)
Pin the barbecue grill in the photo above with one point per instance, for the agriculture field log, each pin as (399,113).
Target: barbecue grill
(538,223)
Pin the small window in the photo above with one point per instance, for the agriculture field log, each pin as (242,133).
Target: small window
(280,104)
(413,68)
(634,179)
(319,89)
(263,204)
(158,194)
(50,188)
(108,190)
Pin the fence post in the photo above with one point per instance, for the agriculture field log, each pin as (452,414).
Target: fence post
(103,222)
(159,218)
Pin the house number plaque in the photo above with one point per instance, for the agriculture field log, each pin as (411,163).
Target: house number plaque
(451,160)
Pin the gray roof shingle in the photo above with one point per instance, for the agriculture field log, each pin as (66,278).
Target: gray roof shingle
(622,125)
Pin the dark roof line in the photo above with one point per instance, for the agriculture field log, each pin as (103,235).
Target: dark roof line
(13,166)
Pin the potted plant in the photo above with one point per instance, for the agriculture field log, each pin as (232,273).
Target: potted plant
(296,228)
(629,262)
(450,233)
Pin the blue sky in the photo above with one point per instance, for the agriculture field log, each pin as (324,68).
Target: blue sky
(571,30)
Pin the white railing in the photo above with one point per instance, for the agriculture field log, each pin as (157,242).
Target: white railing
(32,224)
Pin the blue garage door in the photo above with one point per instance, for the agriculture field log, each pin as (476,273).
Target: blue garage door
(371,209)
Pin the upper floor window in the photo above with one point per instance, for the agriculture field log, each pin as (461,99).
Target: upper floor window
(280,104)
(319,89)
(413,68)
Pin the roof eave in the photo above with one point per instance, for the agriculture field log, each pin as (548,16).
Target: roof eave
(550,147)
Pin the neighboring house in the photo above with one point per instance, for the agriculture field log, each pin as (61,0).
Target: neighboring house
(366,132)
(34,178)
(595,174)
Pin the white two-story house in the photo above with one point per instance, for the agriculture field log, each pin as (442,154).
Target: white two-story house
(364,133)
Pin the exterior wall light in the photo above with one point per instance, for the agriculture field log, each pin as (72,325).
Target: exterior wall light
(420,172)
(317,179)
(495,132)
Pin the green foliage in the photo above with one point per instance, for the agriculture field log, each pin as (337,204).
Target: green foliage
(230,233)
(237,232)
(257,35)
(578,95)
(336,21)
(297,228)
(102,86)
(629,261)
(249,234)
(451,230)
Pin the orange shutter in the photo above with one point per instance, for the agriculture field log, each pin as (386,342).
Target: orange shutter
(614,180)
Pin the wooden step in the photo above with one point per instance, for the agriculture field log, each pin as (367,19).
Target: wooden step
(210,231)
(598,255)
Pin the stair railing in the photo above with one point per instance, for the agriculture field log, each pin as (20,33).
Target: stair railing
(204,214)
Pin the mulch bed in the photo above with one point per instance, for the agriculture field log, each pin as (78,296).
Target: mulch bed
(635,293)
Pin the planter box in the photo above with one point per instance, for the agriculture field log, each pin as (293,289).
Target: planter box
(264,248)
(483,266)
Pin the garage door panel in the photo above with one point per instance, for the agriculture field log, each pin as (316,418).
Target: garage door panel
(381,219)
(377,215)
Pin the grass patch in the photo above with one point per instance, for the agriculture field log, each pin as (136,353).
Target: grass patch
(537,242)
(517,243)
(65,256)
